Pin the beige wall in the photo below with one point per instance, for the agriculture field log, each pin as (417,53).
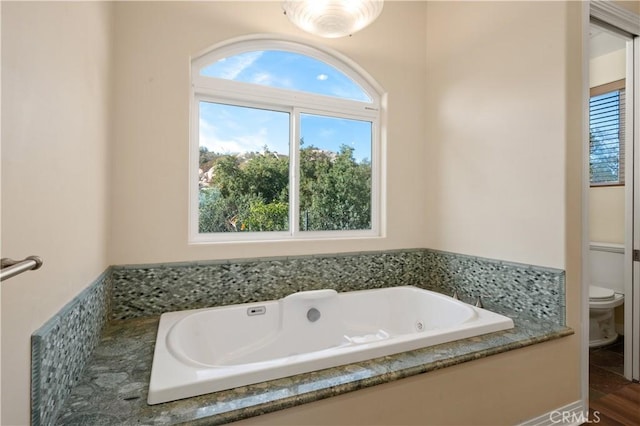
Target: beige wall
(504,156)
(607,68)
(55,133)
(504,160)
(154,43)
(606,204)
(504,389)
(606,214)
(630,5)
(496,125)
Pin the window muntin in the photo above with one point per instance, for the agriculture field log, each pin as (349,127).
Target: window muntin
(286,70)
(606,134)
(346,116)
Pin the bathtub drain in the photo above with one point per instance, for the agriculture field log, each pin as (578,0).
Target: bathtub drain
(313,315)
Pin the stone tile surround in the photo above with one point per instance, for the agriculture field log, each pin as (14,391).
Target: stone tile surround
(61,347)
(114,387)
(538,292)
(140,291)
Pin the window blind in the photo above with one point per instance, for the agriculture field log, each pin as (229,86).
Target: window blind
(606,138)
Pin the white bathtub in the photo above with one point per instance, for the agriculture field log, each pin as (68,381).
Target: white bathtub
(213,349)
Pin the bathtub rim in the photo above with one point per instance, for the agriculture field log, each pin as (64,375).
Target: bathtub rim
(168,387)
(180,319)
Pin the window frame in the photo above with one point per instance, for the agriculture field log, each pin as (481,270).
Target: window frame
(614,86)
(211,89)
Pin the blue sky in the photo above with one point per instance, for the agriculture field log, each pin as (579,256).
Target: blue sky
(286,70)
(232,129)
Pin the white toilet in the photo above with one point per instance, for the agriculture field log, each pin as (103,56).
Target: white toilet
(606,291)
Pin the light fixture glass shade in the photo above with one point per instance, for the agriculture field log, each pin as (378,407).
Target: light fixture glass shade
(332,18)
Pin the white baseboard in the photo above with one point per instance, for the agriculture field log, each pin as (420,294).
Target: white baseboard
(573,414)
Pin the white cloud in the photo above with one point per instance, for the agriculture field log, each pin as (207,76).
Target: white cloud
(210,139)
(349,92)
(326,133)
(233,66)
(263,78)
(322,77)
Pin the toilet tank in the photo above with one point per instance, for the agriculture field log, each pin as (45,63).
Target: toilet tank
(606,264)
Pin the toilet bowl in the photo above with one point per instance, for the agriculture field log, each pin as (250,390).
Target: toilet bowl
(602,302)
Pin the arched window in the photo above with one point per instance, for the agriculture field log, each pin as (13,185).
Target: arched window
(285,143)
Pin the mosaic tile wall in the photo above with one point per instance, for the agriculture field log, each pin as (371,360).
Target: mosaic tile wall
(154,289)
(536,291)
(61,347)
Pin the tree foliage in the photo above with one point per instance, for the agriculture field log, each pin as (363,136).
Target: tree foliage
(335,193)
(251,192)
(604,159)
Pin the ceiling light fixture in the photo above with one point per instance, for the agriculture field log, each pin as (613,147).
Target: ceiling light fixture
(332,18)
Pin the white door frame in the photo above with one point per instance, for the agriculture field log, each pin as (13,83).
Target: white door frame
(632,287)
(614,15)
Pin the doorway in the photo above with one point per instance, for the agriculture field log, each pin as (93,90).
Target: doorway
(608,182)
(613,194)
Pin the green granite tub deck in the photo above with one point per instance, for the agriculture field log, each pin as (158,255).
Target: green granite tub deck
(62,346)
(113,387)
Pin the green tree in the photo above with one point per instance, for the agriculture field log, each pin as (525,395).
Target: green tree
(207,158)
(252,193)
(215,212)
(335,192)
(246,194)
(267,217)
(604,159)
(228,177)
(267,176)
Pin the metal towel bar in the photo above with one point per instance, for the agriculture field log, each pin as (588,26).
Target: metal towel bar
(10,268)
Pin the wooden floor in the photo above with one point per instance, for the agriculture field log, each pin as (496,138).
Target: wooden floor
(613,400)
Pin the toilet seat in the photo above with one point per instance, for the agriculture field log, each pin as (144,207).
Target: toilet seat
(600,294)
(604,298)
